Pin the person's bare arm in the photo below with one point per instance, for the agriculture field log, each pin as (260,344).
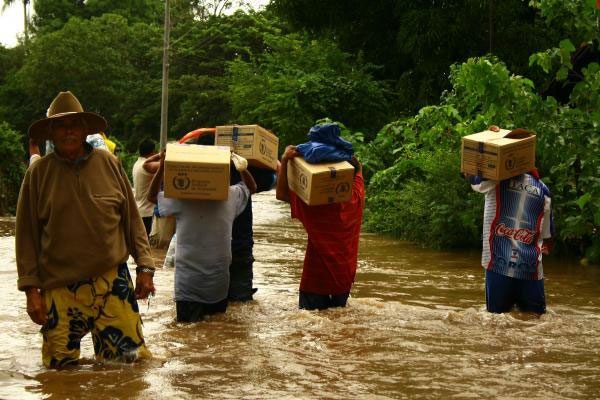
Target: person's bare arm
(157,179)
(248,179)
(282,191)
(241,165)
(152,163)
(34,151)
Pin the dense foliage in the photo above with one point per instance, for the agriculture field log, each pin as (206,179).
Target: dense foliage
(415,42)
(299,81)
(428,72)
(422,172)
(11,168)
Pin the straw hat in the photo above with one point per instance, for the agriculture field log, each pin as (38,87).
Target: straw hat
(65,104)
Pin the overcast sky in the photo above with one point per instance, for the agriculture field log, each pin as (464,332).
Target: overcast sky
(11,21)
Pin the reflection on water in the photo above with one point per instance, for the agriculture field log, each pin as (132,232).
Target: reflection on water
(415,327)
(7,226)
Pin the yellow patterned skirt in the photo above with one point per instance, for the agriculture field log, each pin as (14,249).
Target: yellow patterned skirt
(106,307)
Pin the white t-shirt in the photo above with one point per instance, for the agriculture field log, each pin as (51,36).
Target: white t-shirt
(141,185)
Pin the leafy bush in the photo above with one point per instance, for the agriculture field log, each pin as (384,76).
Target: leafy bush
(435,209)
(415,189)
(299,81)
(12,168)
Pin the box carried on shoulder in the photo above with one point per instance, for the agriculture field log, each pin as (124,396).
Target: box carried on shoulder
(197,172)
(253,142)
(322,183)
(498,155)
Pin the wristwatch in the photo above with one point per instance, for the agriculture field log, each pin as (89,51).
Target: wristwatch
(147,270)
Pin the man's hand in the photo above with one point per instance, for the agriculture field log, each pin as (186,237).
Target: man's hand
(157,179)
(289,153)
(240,163)
(144,285)
(36,308)
(547,246)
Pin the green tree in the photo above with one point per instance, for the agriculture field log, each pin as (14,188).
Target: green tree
(11,168)
(199,93)
(52,15)
(112,67)
(415,42)
(298,81)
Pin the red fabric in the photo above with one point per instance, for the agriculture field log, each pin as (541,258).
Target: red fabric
(332,250)
(535,172)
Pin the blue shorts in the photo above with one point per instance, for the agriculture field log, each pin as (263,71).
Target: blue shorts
(503,292)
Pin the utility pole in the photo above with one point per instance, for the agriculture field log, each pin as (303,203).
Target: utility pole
(164,106)
(26,23)
(492,24)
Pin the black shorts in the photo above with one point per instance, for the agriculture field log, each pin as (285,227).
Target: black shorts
(191,311)
(312,301)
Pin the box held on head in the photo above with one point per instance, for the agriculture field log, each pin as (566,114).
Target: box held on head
(253,142)
(197,172)
(498,155)
(322,183)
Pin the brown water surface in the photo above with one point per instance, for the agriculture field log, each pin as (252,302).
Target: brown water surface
(415,327)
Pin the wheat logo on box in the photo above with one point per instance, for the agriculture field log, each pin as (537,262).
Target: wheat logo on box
(509,164)
(181,182)
(342,187)
(262,147)
(303,181)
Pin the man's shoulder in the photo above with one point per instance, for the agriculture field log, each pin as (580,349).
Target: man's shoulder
(43,163)
(104,156)
(239,187)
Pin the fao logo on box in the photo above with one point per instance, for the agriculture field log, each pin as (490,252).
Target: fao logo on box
(181,182)
(303,180)
(342,187)
(264,149)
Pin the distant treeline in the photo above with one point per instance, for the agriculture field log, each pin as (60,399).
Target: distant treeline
(406,79)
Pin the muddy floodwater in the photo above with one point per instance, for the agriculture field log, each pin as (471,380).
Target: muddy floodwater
(415,327)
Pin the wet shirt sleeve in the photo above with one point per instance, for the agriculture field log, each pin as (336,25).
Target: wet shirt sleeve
(358,187)
(242,195)
(27,236)
(295,206)
(548,224)
(167,206)
(482,186)
(139,248)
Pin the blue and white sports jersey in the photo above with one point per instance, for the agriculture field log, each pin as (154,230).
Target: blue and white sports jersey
(516,220)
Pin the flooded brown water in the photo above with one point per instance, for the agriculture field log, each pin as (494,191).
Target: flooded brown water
(415,327)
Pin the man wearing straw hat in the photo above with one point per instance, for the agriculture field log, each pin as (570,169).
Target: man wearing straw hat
(77,224)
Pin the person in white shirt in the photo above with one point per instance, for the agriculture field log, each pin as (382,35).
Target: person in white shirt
(143,172)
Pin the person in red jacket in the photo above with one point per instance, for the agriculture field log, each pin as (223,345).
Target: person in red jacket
(333,233)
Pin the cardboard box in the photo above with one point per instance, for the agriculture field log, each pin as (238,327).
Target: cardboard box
(321,183)
(254,143)
(197,172)
(494,156)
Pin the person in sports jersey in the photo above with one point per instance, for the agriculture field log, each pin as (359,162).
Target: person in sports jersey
(517,231)
(333,233)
